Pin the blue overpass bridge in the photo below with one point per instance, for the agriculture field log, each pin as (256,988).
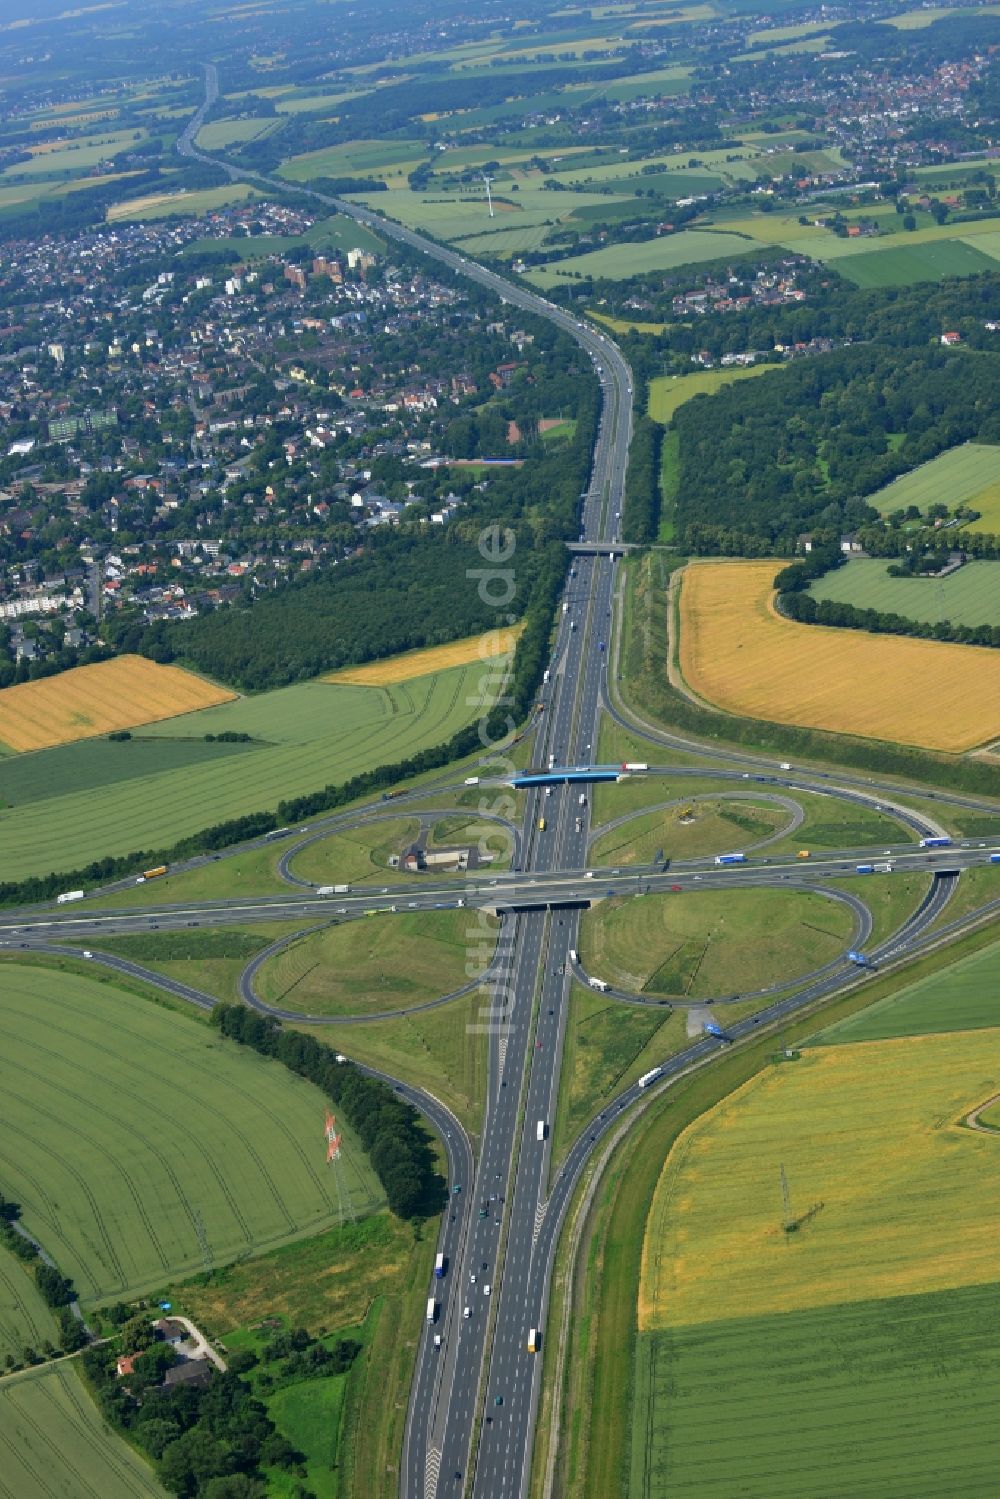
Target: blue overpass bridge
(562,775)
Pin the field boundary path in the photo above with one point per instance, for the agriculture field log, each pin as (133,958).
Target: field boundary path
(972,1119)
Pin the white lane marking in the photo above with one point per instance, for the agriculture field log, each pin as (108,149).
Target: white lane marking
(432,1472)
(540,1212)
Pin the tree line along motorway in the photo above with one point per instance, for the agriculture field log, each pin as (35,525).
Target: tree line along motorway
(473,1404)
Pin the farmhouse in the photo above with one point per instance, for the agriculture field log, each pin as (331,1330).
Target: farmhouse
(193,1373)
(172,1332)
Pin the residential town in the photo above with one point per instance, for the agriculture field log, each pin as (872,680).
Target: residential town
(184,424)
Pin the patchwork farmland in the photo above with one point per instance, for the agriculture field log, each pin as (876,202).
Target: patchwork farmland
(648,255)
(134,1139)
(118,694)
(305,737)
(845,1335)
(845,681)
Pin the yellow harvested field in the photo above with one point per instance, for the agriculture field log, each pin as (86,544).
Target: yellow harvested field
(410,664)
(891,1194)
(89,700)
(738,654)
(621,325)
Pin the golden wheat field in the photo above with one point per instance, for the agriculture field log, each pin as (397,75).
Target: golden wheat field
(891,1194)
(89,700)
(394,669)
(738,654)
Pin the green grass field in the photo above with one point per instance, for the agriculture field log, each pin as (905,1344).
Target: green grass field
(667,392)
(25,1320)
(310,1414)
(890,898)
(208,959)
(55,1443)
(835,824)
(443,1049)
(690,829)
(963,997)
(383,963)
(294,103)
(611,799)
(722,823)
(360,854)
(141,1145)
(311,735)
(970,596)
(390,160)
(622,261)
(608,1045)
(626,175)
(891,1398)
(504,242)
(904,265)
(713,943)
(329,1280)
(954,478)
(249,873)
(93,764)
(219,134)
(985,239)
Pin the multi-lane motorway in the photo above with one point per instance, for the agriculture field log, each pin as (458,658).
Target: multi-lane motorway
(474,1398)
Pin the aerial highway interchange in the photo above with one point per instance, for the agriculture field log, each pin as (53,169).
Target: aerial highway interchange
(475,1393)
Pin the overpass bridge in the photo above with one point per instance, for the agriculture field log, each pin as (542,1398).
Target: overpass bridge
(614,548)
(601,548)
